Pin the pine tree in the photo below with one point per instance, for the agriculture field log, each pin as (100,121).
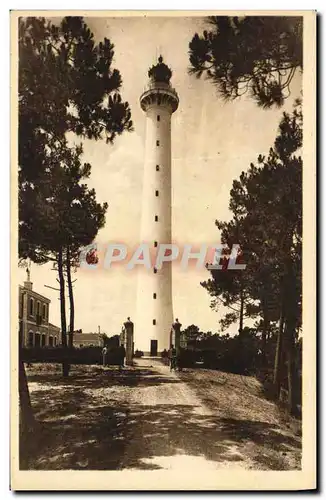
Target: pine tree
(266,203)
(66,217)
(66,84)
(255,55)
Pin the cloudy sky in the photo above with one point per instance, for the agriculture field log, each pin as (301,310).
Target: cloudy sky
(212,142)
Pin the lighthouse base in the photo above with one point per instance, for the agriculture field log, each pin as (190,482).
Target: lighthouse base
(154,311)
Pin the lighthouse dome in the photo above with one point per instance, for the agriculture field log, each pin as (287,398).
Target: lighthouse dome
(160,72)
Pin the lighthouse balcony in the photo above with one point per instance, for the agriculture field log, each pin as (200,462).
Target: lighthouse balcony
(161,94)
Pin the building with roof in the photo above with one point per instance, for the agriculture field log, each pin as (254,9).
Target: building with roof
(81,339)
(34,327)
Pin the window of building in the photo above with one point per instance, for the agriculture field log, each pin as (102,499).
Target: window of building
(157,168)
(31,307)
(30,339)
(43,340)
(156,192)
(158,118)
(156,218)
(21,305)
(157,143)
(154,321)
(154,295)
(37,339)
(55,340)
(155,244)
(51,341)
(44,311)
(38,313)
(155,270)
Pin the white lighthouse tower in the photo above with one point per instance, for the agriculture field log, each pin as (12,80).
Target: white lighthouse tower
(154,296)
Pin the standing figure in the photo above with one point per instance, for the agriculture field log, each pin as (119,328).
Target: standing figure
(104,353)
(165,357)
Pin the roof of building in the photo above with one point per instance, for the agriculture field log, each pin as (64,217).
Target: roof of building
(34,294)
(51,325)
(87,337)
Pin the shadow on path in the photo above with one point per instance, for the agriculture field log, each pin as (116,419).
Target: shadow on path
(101,378)
(79,429)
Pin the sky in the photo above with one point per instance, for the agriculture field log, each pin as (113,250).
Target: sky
(213,141)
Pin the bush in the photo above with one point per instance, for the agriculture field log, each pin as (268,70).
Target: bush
(210,359)
(138,354)
(187,358)
(85,355)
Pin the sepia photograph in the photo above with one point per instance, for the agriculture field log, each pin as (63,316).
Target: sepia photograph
(163,242)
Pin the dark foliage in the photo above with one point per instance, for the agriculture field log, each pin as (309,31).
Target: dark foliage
(111,342)
(255,55)
(84,355)
(67,84)
(242,354)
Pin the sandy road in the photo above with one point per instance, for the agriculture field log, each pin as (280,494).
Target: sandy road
(171,392)
(170,427)
(145,417)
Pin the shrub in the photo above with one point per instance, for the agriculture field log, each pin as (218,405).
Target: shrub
(188,357)
(85,356)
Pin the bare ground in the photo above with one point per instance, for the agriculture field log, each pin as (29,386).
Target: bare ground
(144,417)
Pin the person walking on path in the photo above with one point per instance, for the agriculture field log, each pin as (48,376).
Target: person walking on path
(104,353)
(165,357)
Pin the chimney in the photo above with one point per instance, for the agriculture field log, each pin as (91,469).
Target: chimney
(28,284)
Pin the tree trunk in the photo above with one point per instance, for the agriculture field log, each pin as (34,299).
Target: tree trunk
(241,365)
(241,312)
(26,417)
(65,365)
(265,331)
(290,324)
(290,330)
(278,356)
(71,301)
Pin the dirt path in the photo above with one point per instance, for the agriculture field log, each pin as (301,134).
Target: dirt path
(170,425)
(145,417)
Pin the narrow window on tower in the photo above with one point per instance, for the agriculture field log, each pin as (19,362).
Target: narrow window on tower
(154,321)
(156,193)
(157,168)
(156,218)
(157,143)
(155,270)
(154,295)
(155,244)
(158,118)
